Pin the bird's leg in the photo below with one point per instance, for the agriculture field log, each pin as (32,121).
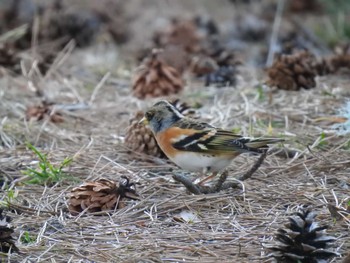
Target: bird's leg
(207,178)
(220,185)
(247,175)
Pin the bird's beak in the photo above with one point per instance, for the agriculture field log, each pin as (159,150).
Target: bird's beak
(143,121)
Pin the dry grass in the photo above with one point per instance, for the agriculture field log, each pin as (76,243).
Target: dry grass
(229,226)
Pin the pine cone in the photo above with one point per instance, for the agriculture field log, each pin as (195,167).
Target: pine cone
(39,112)
(216,65)
(346,259)
(203,65)
(100,195)
(223,77)
(114,16)
(298,6)
(292,72)
(9,58)
(303,241)
(172,55)
(206,27)
(175,57)
(181,33)
(155,79)
(139,138)
(341,59)
(323,66)
(6,241)
(80,25)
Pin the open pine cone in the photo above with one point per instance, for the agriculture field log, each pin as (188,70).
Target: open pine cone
(329,65)
(182,33)
(341,59)
(9,58)
(154,79)
(139,138)
(42,111)
(216,65)
(6,241)
(303,241)
(292,72)
(100,195)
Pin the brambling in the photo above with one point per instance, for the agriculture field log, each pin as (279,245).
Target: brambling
(198,146)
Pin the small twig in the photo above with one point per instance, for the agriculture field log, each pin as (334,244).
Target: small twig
(285,153)
(98,87)
(317,157)
(217,187)
(235,184)
(14,34)
(193,188)
(275,29)
(3,173)
(255,167)
(23,209)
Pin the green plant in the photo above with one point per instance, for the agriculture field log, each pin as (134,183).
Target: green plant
(347,146)
(261,93)
(46,173)
(334,28)
(10,195)
(322,141)
(26,238)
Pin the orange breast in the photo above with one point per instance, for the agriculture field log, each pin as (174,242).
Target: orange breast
(166,138)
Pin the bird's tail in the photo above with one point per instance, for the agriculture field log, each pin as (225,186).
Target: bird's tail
(261,144)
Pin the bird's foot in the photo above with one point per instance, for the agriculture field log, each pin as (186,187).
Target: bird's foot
(203,189)
(221,184)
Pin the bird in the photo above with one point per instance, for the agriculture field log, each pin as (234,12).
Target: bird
(197,146)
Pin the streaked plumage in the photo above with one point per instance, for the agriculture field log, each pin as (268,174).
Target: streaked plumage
(198,146)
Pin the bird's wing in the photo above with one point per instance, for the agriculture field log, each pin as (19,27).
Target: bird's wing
(207,139)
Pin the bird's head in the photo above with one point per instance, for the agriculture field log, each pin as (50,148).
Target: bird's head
(161,115)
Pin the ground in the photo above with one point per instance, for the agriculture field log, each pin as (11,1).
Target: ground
(168,224)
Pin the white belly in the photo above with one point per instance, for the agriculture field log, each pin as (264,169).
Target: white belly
(196,162)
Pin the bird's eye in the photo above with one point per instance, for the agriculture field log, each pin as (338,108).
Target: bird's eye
(149,115)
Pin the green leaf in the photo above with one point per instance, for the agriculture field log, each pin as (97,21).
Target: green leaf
(46,172)
(26,238)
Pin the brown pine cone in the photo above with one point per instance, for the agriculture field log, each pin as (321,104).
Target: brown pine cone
(39,112)
(301,6)
(292,72)
(203,65)
(154,79)
(6,240)
(181,33)
(100,195)
(220,70)
(216,65)
(175,57)
(139,138)
(9,58)
(341,59)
